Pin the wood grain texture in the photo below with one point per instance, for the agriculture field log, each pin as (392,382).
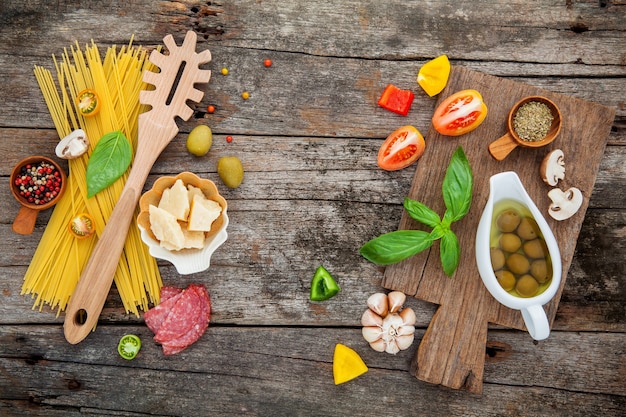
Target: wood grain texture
(312,195)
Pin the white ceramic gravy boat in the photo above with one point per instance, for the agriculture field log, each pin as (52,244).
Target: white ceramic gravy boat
(507,186)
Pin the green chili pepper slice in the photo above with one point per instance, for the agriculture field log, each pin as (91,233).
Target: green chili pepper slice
(129,346)
(323,285)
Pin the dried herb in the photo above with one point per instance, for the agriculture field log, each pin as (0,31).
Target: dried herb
(532,121)
(109,160)
(396,246)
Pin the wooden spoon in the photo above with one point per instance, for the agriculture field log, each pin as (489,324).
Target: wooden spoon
(157,127)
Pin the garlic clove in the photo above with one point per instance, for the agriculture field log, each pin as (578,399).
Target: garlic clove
(369,318)
(408,316)
(378,303)
(405,331)
(392,320)
(378,345)
(392,347)
(73,145)
(404,342)
(396,300)
(371,334)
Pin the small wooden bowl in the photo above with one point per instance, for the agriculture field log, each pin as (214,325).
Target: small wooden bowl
(24,222)
(501,148)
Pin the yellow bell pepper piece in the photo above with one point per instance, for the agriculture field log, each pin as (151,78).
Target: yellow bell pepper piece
(347,364)
(433,76)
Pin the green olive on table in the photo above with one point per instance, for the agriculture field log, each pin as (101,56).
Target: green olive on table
(230,170)
(200,140)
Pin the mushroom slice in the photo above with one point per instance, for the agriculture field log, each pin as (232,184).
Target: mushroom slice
(553,167)
(564,203)
(73,145)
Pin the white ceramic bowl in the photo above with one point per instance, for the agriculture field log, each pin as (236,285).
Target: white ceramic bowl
(186,261)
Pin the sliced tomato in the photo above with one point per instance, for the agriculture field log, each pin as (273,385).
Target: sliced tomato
(460,113)
(401,148)
(88,103)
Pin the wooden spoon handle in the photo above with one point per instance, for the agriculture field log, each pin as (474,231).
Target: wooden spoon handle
(24,222)
(96,278)
(502,147)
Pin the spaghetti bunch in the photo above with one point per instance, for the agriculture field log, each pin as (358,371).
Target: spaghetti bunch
(59,259)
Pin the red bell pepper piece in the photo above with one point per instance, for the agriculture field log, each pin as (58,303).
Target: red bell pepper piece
(396,100)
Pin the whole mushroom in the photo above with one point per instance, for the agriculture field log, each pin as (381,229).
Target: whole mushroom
(386,327)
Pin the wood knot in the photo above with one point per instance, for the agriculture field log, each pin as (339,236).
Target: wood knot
(497,351)
(579,27)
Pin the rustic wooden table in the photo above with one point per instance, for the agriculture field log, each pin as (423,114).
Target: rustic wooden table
(312,195)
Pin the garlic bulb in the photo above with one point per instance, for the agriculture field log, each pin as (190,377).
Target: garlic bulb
(385,327)
(73,145)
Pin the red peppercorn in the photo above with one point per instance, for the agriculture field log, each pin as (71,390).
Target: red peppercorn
(267,62)
(229,139)
(210,109)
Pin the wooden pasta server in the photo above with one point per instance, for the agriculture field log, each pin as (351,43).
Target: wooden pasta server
(174,85)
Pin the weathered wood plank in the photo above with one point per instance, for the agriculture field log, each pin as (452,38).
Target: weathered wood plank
(287,168)
(264,270)
(262,374)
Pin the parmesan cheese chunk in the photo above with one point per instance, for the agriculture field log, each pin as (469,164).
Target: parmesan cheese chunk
(193,239)
(166,229)
(193,191)
(203,213)
(175,201)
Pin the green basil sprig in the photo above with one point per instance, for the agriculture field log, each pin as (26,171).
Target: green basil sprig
(109,160)
(396,246)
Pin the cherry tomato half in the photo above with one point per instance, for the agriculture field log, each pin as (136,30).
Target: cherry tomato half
(460,113)
(88,103)
(401,148)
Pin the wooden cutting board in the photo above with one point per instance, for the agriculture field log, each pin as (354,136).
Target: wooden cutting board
(452,351)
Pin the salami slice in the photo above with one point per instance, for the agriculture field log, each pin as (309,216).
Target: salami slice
(182,317)
(176,345)
(169,292)
(155,317)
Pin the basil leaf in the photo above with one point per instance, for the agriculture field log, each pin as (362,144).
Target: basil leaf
(421,212)
(395,246)
(449,252)
(457,186)
(109,160)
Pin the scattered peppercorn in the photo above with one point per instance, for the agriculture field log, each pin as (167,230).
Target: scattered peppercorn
(38,183)
(245,95)
(229,139)
(224,71)
(210,109)
(267,62)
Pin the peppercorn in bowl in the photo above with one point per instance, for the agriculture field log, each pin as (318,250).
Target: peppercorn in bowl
(37,183)
(183,220)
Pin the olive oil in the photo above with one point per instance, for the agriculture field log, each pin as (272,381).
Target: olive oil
(519,254)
